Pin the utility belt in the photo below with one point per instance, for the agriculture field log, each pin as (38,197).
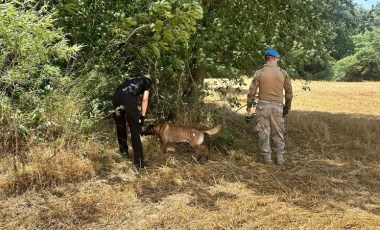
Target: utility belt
(263,102)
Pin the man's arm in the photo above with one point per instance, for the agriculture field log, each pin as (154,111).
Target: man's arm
(144,103)
(252,92)
(288,91)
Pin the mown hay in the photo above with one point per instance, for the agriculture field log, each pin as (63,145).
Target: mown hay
(331,181)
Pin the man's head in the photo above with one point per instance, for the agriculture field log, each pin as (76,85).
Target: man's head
(149,78)
(147,75)
(271,56)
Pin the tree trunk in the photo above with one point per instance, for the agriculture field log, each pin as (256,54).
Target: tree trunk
(195,82)
(198,75)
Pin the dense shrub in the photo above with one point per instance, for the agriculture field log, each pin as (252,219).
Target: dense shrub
(33,84)
(364,64)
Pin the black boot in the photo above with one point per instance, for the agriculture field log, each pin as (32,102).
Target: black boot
(124,153)
(139,164)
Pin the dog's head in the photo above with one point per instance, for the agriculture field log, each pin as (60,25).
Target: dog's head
(148,131)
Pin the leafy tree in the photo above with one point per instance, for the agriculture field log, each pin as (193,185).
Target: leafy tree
(171,37)
(125,39)
(31,51)
(232,36)
(365,63)
(370,18)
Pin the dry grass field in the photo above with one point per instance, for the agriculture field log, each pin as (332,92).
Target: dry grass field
(331,181)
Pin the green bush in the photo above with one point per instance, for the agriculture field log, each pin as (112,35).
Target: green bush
(223,142)
(364,64)
(33,54)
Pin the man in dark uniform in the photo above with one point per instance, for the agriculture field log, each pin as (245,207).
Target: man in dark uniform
(125,103)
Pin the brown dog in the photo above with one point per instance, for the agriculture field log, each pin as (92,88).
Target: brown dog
(171,133)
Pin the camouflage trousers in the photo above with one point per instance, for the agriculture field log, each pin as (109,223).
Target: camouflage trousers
(271,128)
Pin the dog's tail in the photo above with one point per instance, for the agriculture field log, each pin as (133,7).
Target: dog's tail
(213,131)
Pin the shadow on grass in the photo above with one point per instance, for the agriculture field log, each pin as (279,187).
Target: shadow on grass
(332,166)
(332,161)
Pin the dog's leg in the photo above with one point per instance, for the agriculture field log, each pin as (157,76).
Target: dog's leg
(206,153)
(204,149)
(164,147)
(163,134)
(198,155)
(199,150)
(196,143)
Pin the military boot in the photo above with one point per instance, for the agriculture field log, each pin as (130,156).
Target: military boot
(124,153)
(266,160)
(280,159)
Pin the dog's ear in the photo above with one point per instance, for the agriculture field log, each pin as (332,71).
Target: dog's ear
(170,118)
(149,130)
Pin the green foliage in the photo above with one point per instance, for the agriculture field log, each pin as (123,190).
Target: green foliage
(369,19)
(365,63)
(125,40)
(346,22)
(353,56)
(30,47)
(180,42)
(30,75)
(233,35)
(222,142)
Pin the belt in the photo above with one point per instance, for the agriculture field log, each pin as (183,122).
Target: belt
(271,102)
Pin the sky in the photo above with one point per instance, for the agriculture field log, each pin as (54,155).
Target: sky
(367,4)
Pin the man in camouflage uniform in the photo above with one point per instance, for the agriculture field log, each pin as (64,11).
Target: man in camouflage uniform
(270,111)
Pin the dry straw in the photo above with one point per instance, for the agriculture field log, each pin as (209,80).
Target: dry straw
(331,181)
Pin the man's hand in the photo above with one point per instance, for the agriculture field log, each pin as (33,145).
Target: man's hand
(247,118)
(141,120)
(285,111)
(250,104)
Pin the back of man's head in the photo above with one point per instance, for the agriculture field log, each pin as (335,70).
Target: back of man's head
(272,53)
(270,59)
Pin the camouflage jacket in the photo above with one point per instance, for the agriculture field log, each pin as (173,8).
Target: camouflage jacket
(271,81)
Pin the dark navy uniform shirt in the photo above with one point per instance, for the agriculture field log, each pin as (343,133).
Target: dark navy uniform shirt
(135,86)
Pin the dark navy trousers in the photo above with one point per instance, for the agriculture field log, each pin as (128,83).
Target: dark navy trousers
(129,114)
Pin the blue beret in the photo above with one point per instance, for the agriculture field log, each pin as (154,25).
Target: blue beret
(272,52)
